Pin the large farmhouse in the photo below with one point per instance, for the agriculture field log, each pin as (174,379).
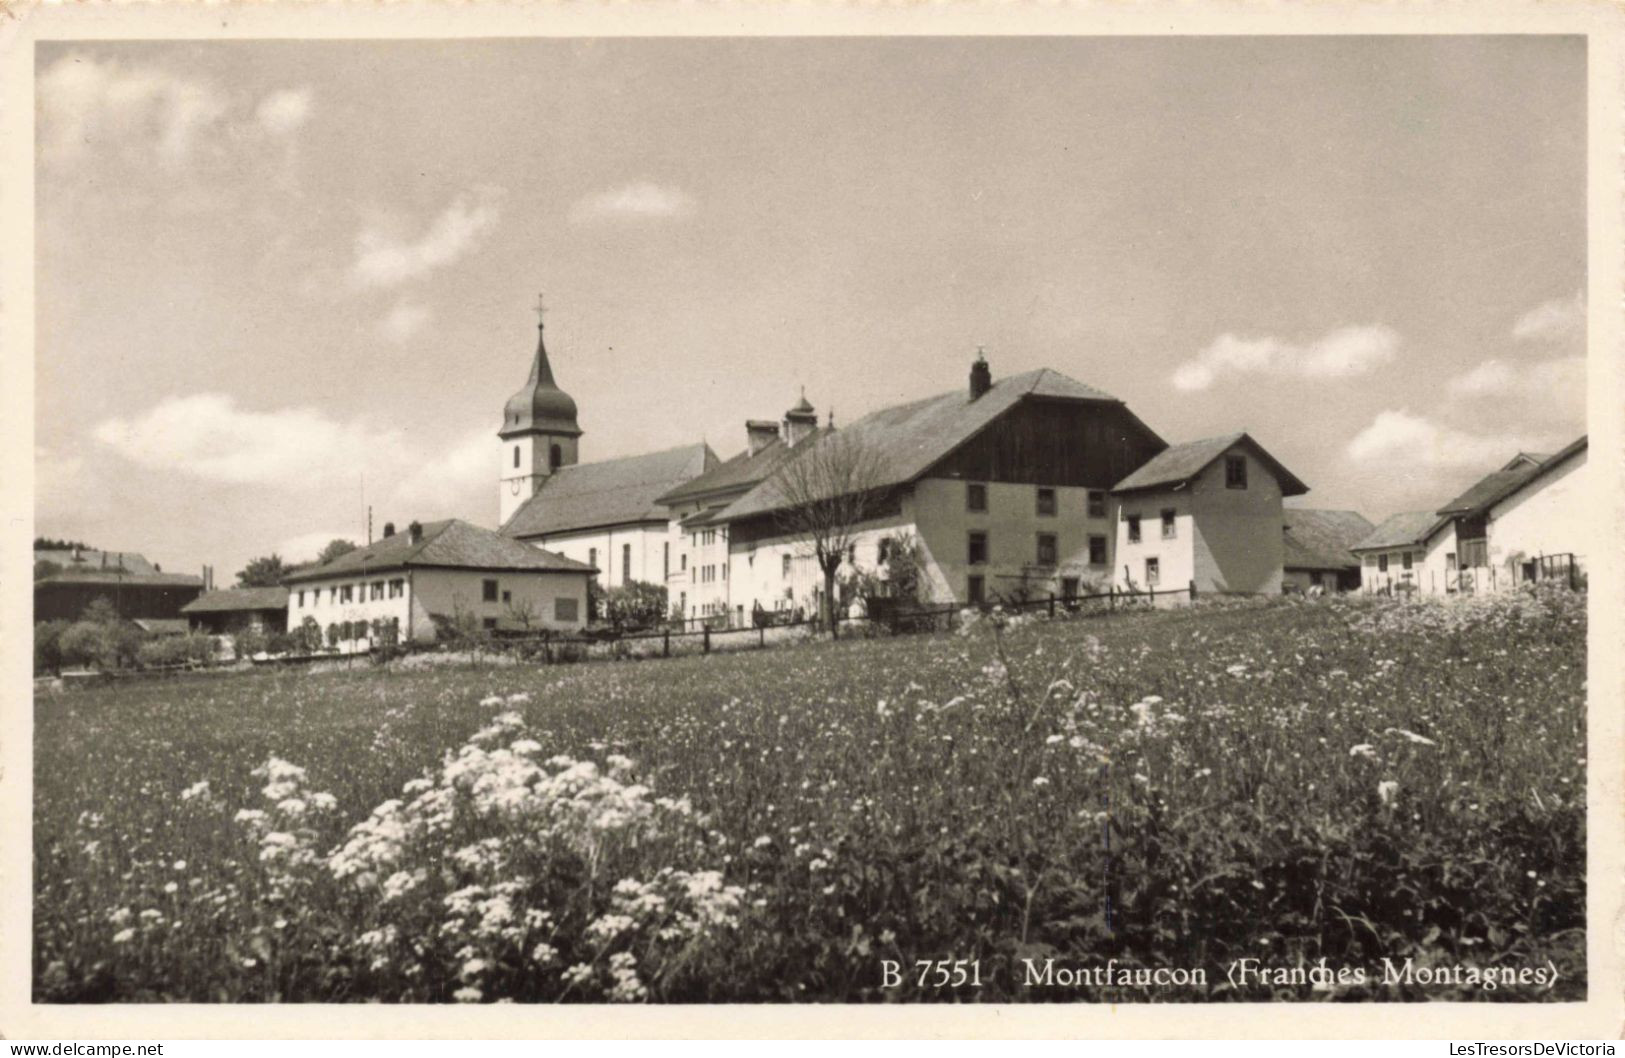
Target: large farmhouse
(1033,484)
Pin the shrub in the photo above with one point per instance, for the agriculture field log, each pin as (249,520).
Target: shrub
(250,641)
(167,651)
(635,606)
(48,646)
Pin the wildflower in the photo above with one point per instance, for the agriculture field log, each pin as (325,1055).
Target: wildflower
(123,936)
(1410,736)
(1040,781)
(1364,749)
(763,842)
(197,789)
(468,994)
(171,887)
(180,865)
(1386,790)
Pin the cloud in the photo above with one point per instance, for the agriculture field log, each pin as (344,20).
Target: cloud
(636,201)
(207,436)
(87,103)
(1558,320)
(1543,382)
(402,322)
(1342,353)
(284,110)
(383,257)
(1407,441)
(459,473)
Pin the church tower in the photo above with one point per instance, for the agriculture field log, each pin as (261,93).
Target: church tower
(539,432)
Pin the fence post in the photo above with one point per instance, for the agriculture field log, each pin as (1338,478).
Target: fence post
(761,635)
(707,635)
(1111,598)
(1193,590)
(665,644)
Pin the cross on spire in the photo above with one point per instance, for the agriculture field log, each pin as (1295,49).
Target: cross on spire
(540,309)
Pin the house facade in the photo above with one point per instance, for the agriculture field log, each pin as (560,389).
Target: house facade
(422,582)
(1207,514)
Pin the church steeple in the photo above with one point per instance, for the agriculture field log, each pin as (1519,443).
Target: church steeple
(539,431)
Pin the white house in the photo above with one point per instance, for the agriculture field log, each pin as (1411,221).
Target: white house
(1526,521)
(1206,513)
(603,514)
(407,585)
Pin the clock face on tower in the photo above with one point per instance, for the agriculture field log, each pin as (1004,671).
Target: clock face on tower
(513,486)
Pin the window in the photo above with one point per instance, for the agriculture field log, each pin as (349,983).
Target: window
(974,593)
(1046,503)
(665,560)
(1046,549)
(1235,472)
(977,552)
(883,550)
(1315,578)
(516,456)
(1097,504)
(301,598)
(1153,571)
(1382,563)
(1405,560)
(1133,528)
(1097,550)
(1069,587)
(626,563)
(682,562)
(507,597)
(592,557)
(345,594)
(555,457)
(490,624)
(682,602)
(975,497)
(490,590)
(315,596)
(1168,523)
(786,565)
(566,609)
(396,587)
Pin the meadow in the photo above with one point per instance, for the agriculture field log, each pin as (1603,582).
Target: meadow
(1287,781)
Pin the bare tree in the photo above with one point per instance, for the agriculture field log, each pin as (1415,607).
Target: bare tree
(825,494)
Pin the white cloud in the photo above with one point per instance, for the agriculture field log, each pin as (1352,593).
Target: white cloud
(403,321)
(1537,384)
(85,102)
(1405,440)
(383,257)
(440,484)
(636,201)
(1558,320)
(207,436)
(284,110)
(1341,353)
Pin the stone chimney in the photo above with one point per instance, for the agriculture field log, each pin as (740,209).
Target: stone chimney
(415,531)
(759,433)
(389,530)
(981,376)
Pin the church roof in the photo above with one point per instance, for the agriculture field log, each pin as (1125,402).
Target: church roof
(739,473)
(611,492)
(448,544)
(1173,466)
(1321,539)
(909,439)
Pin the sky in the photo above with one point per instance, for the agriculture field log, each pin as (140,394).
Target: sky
(280,282)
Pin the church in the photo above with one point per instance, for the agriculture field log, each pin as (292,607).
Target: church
(1031,484)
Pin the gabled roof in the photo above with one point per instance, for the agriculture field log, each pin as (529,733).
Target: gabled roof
(1488,489)
(1322,539)
(909,439)
(1548,465)
(80,558)
(231,600)
(740,473)
(612,492)
(1400,530)
(113,576)
(448,544)
(1181,463)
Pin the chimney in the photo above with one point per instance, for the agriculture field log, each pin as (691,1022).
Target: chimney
(415,531)
(981,376)
(389,530)
(760,433)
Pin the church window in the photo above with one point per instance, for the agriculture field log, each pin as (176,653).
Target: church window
(682,562)
(592,556)
(489,589)
(516,455)
(626,563)
(786,565)
(665,559)
(301,598)
(555,457)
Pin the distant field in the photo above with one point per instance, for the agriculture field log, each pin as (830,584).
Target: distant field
(1291,781)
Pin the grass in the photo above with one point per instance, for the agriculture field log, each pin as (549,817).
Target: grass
(1294,781)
